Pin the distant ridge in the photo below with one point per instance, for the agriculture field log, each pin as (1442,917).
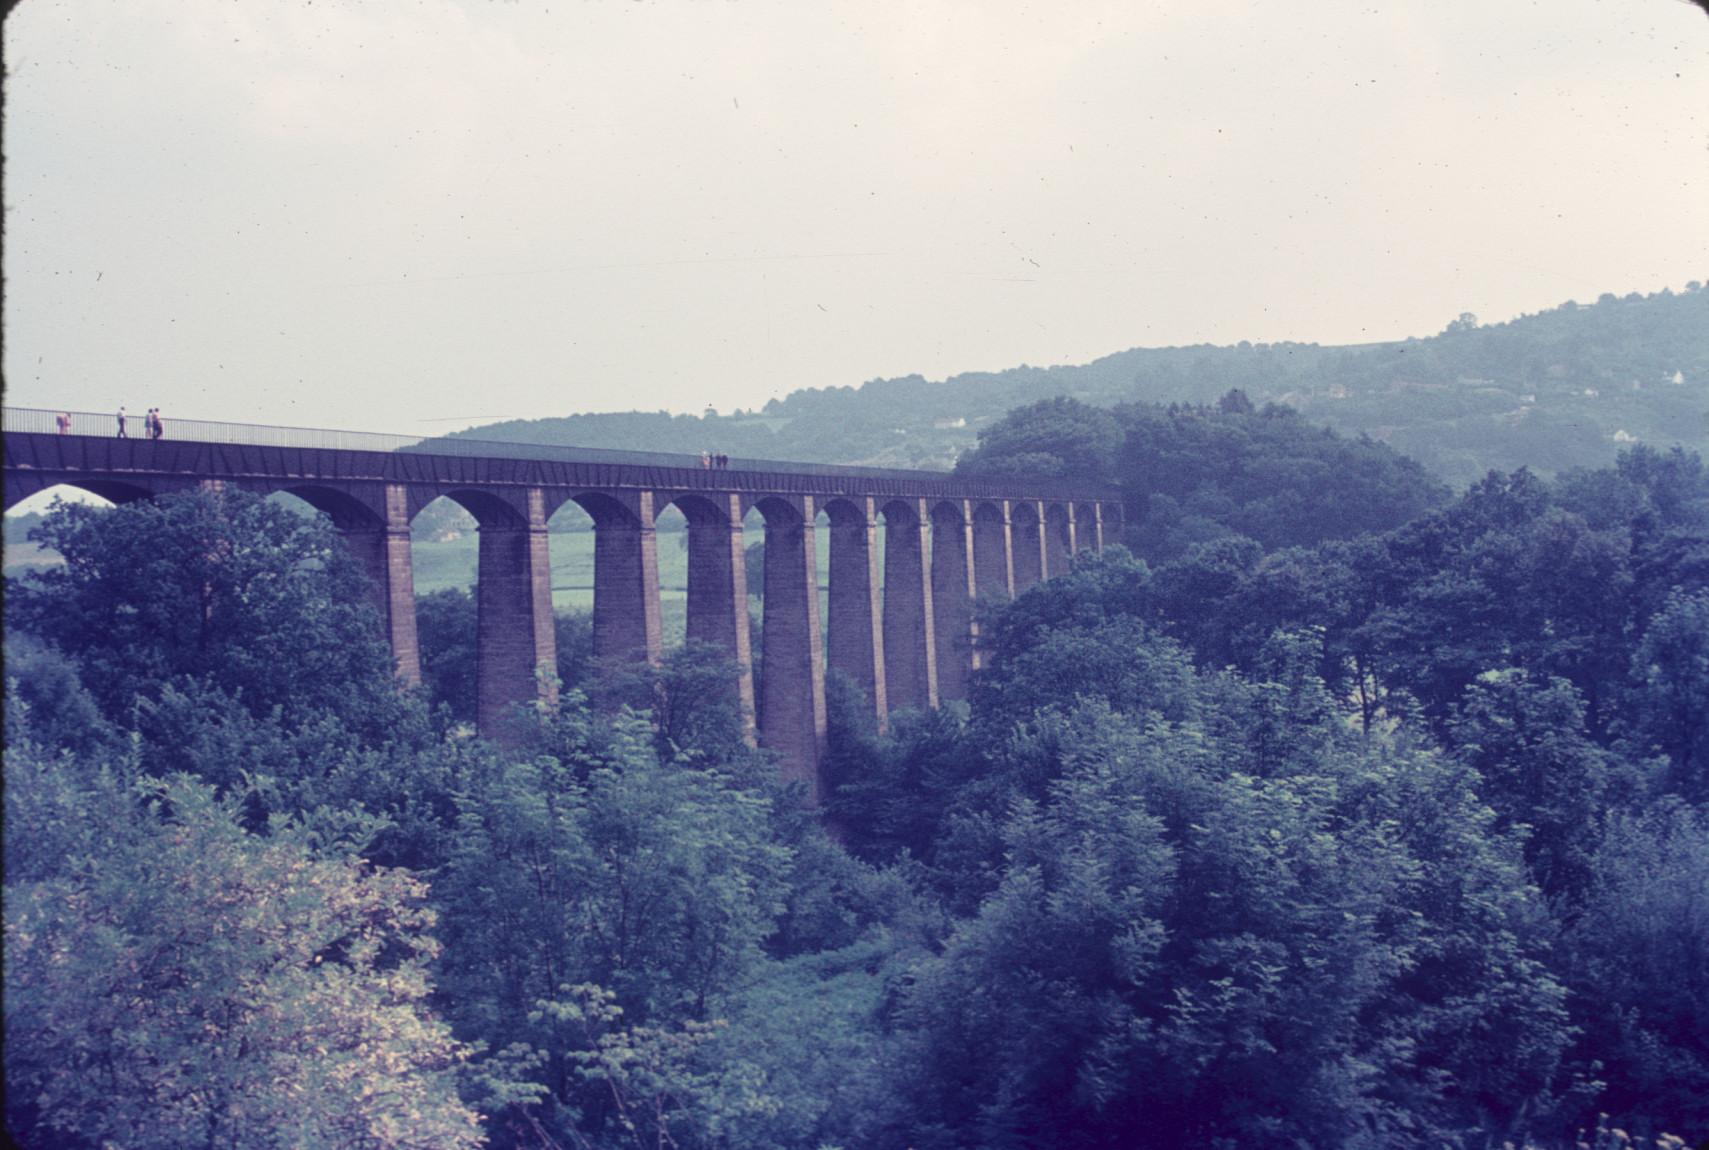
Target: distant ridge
(1563,388)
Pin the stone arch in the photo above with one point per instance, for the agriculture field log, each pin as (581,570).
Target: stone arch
(715,584)
(948,512)
(910,645)
(1058,550)
(854,639)
(348,512)
(780,511)
(19,490)
(697,507)
(994,578)
(607,510)
(952,596)
(515,644)
(900,512)
(386,557)
(692,532)
(625,591)
(490,509)
(1115,522)
(1028,543)
(843,511)
(1085,527)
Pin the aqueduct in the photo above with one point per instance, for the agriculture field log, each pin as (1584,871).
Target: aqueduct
(901,627)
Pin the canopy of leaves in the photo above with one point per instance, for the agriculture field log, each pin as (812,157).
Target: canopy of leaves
(1205,904)
(218,586)
(1194,474)
(173,980)
(1051,439)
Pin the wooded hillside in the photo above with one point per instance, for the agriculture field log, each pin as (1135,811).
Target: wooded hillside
(1567,387)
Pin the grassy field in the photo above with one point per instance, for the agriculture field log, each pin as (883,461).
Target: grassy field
(22,557)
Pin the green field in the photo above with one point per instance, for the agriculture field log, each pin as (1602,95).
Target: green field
(451,564)
(22,557)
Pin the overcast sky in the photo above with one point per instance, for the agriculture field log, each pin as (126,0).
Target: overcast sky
(418,215)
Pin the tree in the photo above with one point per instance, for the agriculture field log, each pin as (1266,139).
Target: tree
(1053,438)
(692,698)
(1672,666)
(236,638)
(1192,474)
(446,624)
(1235,402)
(173,980)
(219,586)
(63,712)
(1524,735)
(584,861)
(445,633)
(1307,958)
(1638,957)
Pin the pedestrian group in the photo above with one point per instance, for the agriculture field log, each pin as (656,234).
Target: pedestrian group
(711,462)
(151,425)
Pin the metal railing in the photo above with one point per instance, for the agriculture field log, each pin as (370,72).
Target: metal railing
(43,421)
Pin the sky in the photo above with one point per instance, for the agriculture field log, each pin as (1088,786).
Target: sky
(420,215)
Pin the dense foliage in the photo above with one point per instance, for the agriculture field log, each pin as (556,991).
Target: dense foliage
(1299,837)
(173,979)
(1194,475)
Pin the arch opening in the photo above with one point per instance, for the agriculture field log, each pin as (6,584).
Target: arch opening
(910,652)
(487,509)
(1057,538)
(850,585)
(952,598)
(443,547)
(991,552)
(99,492)
(1085,527)
(22,554)
(1028,545)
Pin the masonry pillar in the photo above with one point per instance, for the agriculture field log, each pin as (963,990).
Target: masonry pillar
(1073,534)
(718,594)
(516,654)
(952,596)
(792,682)
(1098,526)
(383,551)
(626,583)
(856,626)
(910,640)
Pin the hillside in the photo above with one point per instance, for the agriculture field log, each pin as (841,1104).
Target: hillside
(1563,388)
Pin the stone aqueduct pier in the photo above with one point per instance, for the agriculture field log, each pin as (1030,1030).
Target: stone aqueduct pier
(905,634)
